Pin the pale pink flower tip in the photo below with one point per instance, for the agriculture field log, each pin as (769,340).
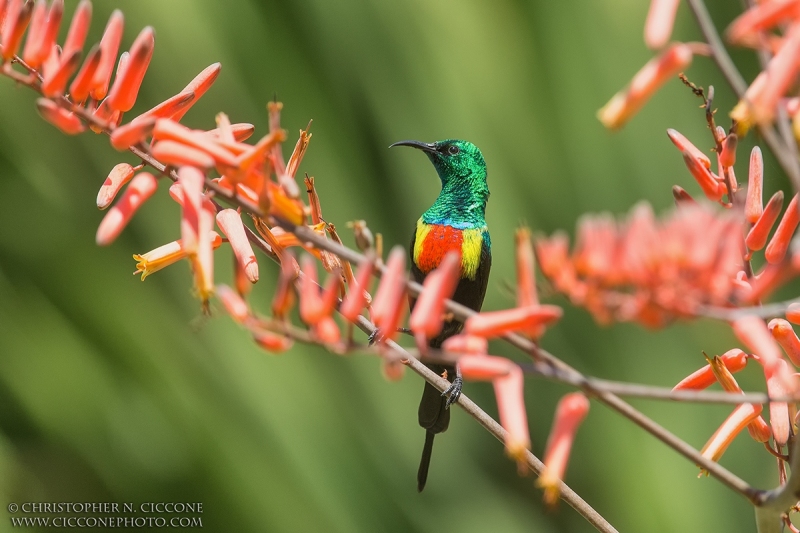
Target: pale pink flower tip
(660,19)
(233,303)
(230,222)
(787,338)
(140,189)
(570,412)
(119,176)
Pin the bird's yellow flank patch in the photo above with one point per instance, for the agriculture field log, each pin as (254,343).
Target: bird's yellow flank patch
(471,252)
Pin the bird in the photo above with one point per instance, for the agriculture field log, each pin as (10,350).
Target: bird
(455,221)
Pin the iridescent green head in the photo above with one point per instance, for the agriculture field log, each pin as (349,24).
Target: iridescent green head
(462,169)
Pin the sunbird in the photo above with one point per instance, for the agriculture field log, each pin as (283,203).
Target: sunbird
(455,221)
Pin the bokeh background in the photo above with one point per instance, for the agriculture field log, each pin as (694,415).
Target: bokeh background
(114,390)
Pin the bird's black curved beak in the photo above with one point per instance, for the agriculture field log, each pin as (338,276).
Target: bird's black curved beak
(425,147)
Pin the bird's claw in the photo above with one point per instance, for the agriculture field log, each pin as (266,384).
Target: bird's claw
(453,392)
(374,337)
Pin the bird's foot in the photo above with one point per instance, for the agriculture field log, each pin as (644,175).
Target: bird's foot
(453,392)
(375,336)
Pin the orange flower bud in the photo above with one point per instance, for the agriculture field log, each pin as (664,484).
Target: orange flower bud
(660,19)
(109,46)
(119,176)
(36,33)
(59,117)
(644,84)
(762,16)
(231,225)
(233,303)
(167,108)
(310,301)
(743,415)
(167,129)
(780,382)
(389,304)
(793,313)
(326,330)
(203,261)
(166,255)
(427,317)
(357,296)
(281,206)
(198,86)
(48,35)
(787,338)
(272,342)
(757,236)
(191,181)
(178,154)
(241,131)
(728,156)
(56,81)
(753,332)
(570,412)
(685,145)
(482,367)
(140,189)
(753,207)
(392,369)
(681,196)
(498,323)
(712,188)
(78,28)
(466,344)
(284,297)
(132,133)
(779,244)
(126,86)
(82,84)
(733,360)
(18,15)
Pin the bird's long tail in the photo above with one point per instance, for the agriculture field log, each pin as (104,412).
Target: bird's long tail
(425,461)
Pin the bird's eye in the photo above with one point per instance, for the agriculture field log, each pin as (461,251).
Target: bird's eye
(453,149)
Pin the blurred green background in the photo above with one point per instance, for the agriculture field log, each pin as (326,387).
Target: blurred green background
(116,390)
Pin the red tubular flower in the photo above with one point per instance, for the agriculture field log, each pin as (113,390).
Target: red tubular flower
(570,412)
(743,415)
(526,275)
(284,297)
(132,133)
(389,304)
(167,108)
(198,86)
(681,196)
(167,129)
(109,46)
(758,429)
(787,338)
(644,84)
(78,28)
(357,296)
(272,342)
(685,145)
(231,225)
(241,132)
(82,84)
(178,154)
(466,344)
(753,207)
(49,33)
(140,189)
(780,382)
(734,360)
(660,19)
(56,81)
(59,117)
(746,27)
(191,181)
(728,156)
(36,32)
(203,261)
(498,323)
(327,331)
(427,318)
(757,236)
(793,313)
(310,301)
(753,332)
(712,188)
(18,15)
(166,255)
(760,101)
(233,303)
(779,244)
(126,86)
(119,176)
(508,380)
